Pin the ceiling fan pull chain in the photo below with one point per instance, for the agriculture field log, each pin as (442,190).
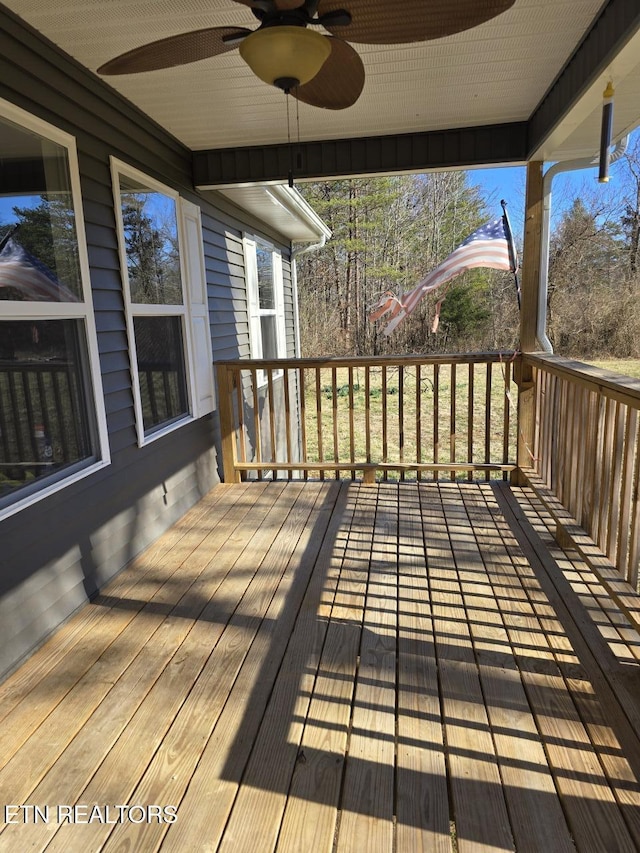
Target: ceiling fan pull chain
(286,94)
(299,150)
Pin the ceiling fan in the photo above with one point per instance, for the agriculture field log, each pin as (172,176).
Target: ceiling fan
(318,69)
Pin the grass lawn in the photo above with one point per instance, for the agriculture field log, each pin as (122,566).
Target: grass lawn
(627,367)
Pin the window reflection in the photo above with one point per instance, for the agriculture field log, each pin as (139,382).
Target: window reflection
(38,241)
(43,426)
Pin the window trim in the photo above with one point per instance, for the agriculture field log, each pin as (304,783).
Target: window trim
(81,310)
(134,309)
(250,245)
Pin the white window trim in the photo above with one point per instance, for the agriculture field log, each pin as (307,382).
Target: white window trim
(134,309)
(65,311)
(250,244)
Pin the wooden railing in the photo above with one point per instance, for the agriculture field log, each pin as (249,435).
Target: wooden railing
(416,416)
(586,453)
(41,428)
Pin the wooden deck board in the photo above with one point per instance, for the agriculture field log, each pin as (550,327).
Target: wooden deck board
(587,797)
(367,797)
(481,817)
(526,776)
(423,800)
(312,805)
(329,666)
(130,719)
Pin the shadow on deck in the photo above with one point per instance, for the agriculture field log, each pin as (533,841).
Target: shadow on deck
(317,666)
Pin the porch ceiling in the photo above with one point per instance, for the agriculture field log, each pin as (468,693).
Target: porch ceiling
(496,73)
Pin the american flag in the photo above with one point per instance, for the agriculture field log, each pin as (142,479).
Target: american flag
(489,246)
(30,279)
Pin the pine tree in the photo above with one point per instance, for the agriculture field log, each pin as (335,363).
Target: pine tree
(48,232)
(387,233)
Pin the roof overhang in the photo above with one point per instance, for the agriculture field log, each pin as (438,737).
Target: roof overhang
(567,120)
(281,207)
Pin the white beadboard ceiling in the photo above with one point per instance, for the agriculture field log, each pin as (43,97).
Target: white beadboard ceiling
(497,72)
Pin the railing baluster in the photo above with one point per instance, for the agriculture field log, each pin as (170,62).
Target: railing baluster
(44,412)
(385,475)
(597,468)
(287,419)
(334,397)
(506,426)
(272,420)
(591,418)
(257,427)
(352,446)
(562,439)
(15,411)
(452,422)
(4,430)
(418,421)
(319,418)
(302,394)
(76,406)
(615,480)
(570,460)
(28,409)
(540,449)
(470,424)
(578,443)
(151,391)
(401,418)
(367,412)
(634,511)
(242,450)
(605,474)
(171,410)
(488,418)
(436,418)
(624,523)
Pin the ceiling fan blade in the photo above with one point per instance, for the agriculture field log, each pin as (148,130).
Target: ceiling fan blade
(382,22)
(269,5)
(340,81)
(175,50)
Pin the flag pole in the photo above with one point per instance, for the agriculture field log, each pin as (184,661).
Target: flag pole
(8,236)
(513,257)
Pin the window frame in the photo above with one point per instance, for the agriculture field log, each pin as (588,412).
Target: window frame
(82,310)
(138,309)
(250,244)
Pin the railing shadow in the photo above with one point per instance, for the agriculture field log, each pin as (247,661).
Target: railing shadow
(371,638)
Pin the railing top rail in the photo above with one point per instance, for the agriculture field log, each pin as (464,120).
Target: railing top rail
(626,389)
(370,361)
(15,366)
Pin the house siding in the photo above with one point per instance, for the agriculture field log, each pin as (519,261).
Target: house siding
(59,551)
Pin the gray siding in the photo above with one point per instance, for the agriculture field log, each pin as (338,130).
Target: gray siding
(59,551)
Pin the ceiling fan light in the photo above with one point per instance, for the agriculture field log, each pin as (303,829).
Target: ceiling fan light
(285,53)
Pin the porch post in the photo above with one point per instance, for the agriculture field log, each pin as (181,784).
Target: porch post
(225,375)
(530,285)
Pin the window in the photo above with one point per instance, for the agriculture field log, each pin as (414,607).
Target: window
(167,320)
(52,421)
(266,303)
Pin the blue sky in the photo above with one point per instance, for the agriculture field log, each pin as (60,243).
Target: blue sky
(508,182)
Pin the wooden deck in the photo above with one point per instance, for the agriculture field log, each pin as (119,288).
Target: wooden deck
(318,666)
